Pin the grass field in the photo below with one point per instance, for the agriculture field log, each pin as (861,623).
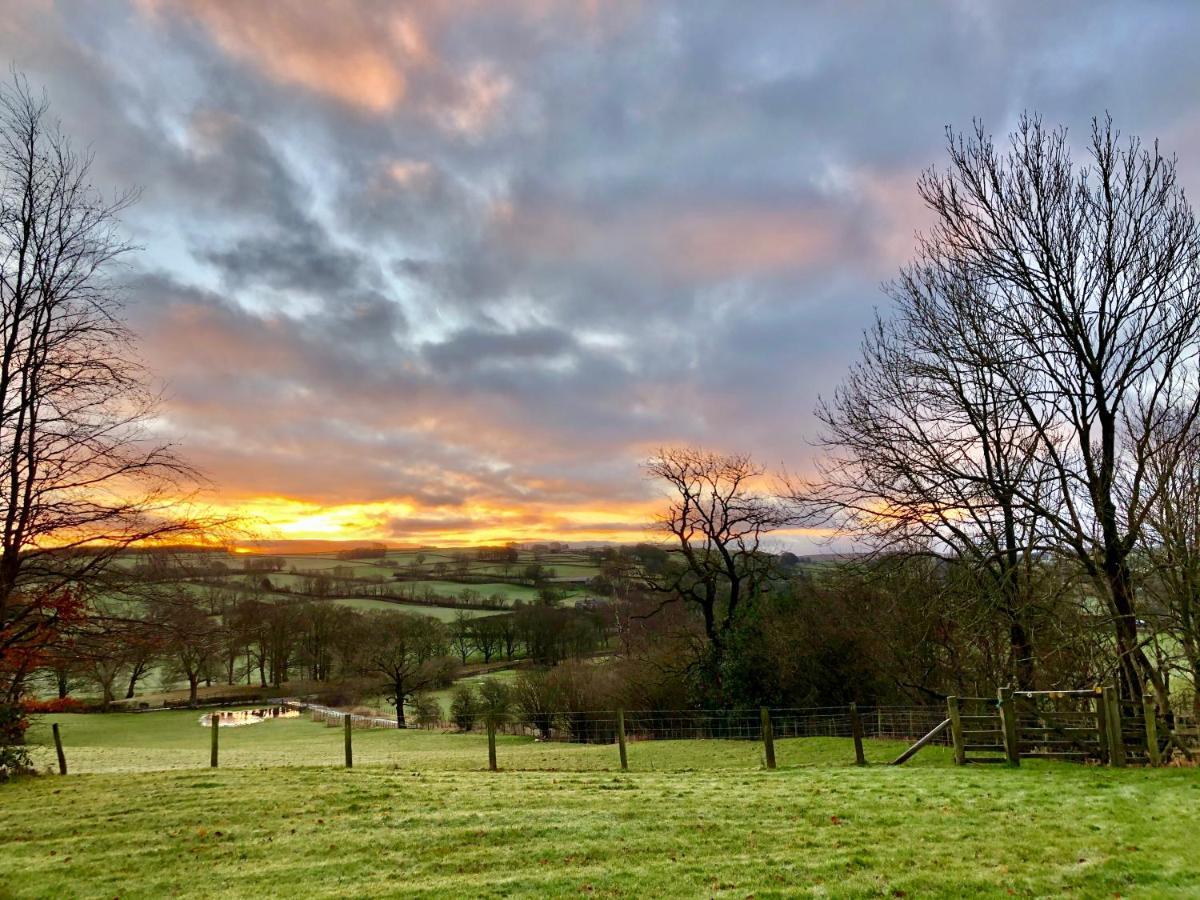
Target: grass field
(443,613)
(509,592)
(419,816)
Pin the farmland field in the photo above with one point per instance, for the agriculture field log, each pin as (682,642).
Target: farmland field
(419,815)
(443,613)
(509,592)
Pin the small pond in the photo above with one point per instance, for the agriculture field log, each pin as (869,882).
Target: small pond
(232,718)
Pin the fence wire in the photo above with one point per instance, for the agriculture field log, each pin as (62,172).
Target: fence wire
(600,726)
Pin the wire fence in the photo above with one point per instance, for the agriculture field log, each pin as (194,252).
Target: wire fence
(601,726)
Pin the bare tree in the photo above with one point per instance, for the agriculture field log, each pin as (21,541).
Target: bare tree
(81,476)
(1084,303)
(407,650)
(717,518)
(928,452)
(1171,544)
(191,638)
(462,635)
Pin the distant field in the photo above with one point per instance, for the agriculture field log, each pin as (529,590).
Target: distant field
(361,577)
(419,815)
(444,613)
(569,569)
(509,592)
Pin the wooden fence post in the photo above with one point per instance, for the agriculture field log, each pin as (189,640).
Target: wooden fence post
(349,748)
(1102,725)
(1008,726)
(62,757)
(1116,735)
(956,731)
(856,729)
(768,735)
(621,739)
(911,751)
(491,735)
(215,719)
(1151,732)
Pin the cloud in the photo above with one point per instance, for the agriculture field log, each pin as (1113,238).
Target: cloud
(355,53)
(423,269)
(475,348)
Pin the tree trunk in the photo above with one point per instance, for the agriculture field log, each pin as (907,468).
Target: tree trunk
(1136,670)
(134,677)
(400,723)
(1022,654)
(1196,690)
(193,684)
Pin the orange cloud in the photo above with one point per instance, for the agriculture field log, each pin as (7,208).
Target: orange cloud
(477,523)
(357,54)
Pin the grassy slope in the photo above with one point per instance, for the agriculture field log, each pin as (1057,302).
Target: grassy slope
(508,592)
(444,613)
(417,816)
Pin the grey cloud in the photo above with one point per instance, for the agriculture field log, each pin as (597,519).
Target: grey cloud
(672,227)
(477,348)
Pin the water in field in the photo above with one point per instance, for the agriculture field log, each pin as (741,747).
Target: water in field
(232,718)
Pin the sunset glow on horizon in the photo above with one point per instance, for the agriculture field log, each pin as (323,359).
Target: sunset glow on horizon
(281,519)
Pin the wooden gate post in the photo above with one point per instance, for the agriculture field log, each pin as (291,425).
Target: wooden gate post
(58,748)
(956,731)
(1151,732)
(1116,735)
(768,736)
(349,749)
(1102,725)
(215,720)
(621,739)
(1008,726)
(856,729)
(491,735)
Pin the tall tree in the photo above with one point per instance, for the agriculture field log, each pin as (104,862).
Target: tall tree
(190,637)
(407,650)
(1083,298)
(929,452)
(716,517)
(81,476)
(1171,544)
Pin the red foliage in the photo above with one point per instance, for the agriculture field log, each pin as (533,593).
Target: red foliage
(34,627)
(57,705)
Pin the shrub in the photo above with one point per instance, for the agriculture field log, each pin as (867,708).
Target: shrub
(495,701)
(584,688)
(464,707)
(14,757)
(57,705)
(537,700)
(426,711)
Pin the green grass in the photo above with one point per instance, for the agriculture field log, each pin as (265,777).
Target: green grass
(443,613)
(418,815)
(509,592)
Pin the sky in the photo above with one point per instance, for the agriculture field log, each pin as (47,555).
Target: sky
(438,272)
